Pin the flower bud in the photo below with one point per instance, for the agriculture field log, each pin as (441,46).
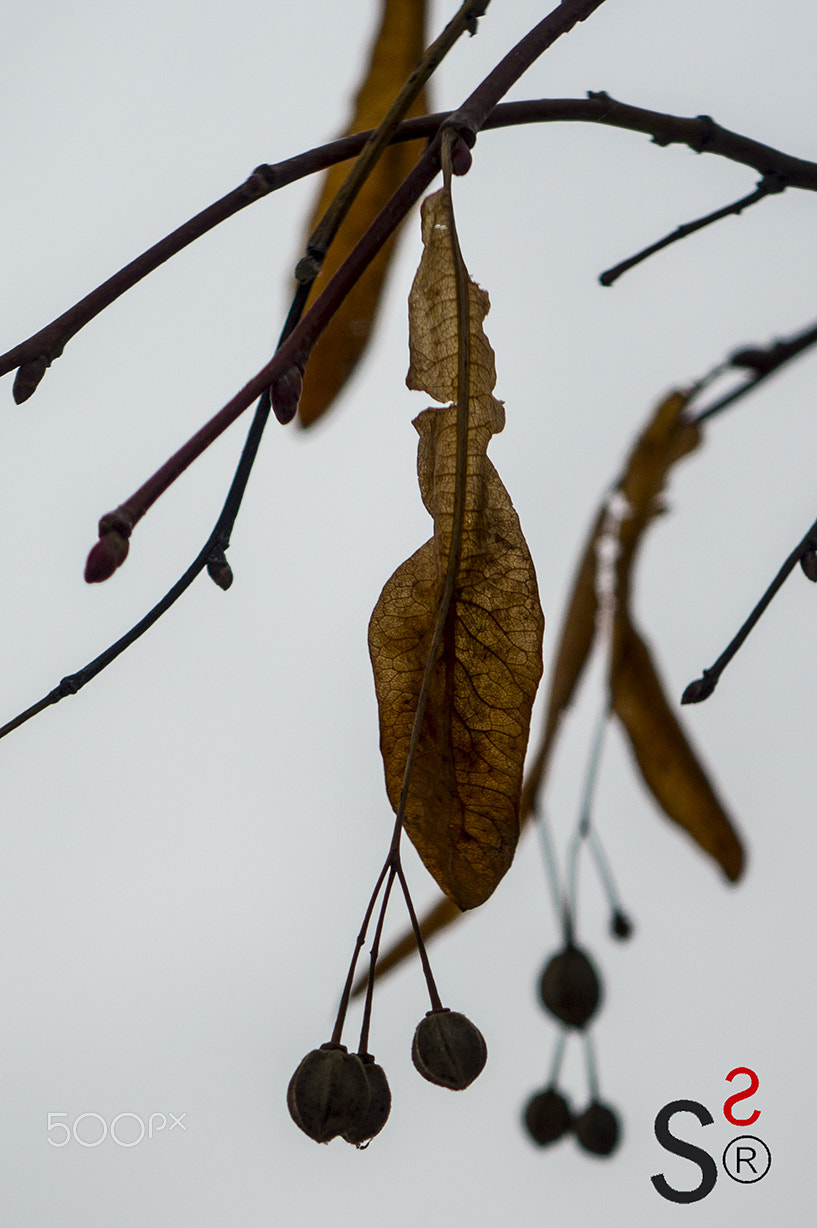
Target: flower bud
(377,1114)
(461,157)
(547,1116)
(570,987)
(448,1049)
(109,553)
(597,1129)
(328,1093)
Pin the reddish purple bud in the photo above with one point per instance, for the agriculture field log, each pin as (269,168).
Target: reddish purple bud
(285,394)
(109,553)
(461,158)
(28,377)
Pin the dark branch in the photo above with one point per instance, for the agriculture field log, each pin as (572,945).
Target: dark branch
(763,363)
(766,187)
(36,353)
(703,687)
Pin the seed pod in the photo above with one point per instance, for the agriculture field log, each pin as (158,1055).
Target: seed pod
(808,562)
(547,1116)
(328,1093)
(377,1114)
(597,1129)
(570,987)
(449,1049)
(621,926)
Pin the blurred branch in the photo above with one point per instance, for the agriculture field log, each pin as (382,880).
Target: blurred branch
(763,363)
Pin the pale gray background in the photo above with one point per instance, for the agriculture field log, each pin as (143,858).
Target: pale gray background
(189,844)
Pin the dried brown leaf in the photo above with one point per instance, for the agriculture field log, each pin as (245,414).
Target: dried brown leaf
(398,46)
(462,812)
(663,754)
(667,762)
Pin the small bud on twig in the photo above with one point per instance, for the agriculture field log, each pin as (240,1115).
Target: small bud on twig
(285,394)
(219,570)
(111,550)
(28,377)
(700,689)
(808,563)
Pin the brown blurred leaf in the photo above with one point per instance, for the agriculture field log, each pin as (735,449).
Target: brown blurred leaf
(575,643)
(462,812)
(667,762)
(398,45)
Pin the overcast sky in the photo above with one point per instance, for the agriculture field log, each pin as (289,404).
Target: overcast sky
(189,844)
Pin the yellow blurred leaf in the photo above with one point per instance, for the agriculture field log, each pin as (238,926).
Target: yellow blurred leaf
(462,812)
(398,46)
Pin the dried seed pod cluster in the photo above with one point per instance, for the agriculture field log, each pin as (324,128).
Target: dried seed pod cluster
(548,1117)
(337,1094)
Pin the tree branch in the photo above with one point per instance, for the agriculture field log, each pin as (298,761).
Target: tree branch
(36,353)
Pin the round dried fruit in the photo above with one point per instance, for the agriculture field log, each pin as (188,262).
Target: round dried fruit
(547,1116)
(449,1049)
(597,1129)
(570,987)
(329,1093)
(376,1116)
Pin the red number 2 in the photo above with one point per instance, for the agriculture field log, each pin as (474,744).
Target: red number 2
(754,1084)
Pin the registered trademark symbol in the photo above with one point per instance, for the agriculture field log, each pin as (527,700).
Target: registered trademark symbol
(747,1159)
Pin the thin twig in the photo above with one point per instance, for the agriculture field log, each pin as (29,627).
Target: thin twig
(766,187)
(218,540)
(363,1044)
(319,241)
(583,826)
(703,687)
(763,362)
